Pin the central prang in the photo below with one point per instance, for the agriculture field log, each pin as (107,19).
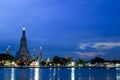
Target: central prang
(23,53)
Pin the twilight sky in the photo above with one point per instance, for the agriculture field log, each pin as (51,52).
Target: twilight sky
(77,28)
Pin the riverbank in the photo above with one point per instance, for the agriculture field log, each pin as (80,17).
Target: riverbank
(61,67)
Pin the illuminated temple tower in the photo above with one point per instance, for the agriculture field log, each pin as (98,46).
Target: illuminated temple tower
(8,50)
(40,55)
(23,53)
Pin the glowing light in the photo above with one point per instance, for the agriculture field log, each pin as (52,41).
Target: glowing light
(72,73)
(72,63)
(23,28)
(13,62)
(36,64)
(32,64)
(36,77)
(50,64)
(117,65)
(58,64)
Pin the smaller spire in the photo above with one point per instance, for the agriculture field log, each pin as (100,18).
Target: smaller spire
(8,50)
(40,55)
(34,54)
(9,46)
(34,50)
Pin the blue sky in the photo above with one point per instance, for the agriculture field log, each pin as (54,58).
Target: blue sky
(77,28)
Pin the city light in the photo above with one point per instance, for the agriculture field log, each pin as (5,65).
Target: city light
(36,64)
(72,63)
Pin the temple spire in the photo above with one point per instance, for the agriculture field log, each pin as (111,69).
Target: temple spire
(40,55)
(23,51)
(8,50)
(34,54)
(23,33)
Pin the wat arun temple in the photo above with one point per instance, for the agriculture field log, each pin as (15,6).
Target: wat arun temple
(23,53)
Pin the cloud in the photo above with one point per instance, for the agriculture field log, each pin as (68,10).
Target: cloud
(89,54)
(106,45)
(83,46)
(100,45)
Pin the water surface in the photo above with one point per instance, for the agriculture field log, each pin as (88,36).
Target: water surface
(59,74)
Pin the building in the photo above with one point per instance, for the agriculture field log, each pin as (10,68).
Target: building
(34,56)
(40,55)
(23,53)
(8,50)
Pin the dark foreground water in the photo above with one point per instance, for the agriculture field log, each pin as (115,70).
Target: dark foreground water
(59,74)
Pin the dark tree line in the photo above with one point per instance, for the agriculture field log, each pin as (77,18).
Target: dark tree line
(97,60)
(61,60)
(64,61)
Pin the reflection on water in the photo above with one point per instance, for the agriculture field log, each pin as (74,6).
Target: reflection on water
(72,73)
(91,77)
(23,74)
(12,74)
(108,75)
(54,74)
(31,74)
(118,73)
(36,74)
(59,74)
(6,75)
(50,76)
(79,76)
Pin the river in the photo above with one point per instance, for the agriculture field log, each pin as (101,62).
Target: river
(59,74)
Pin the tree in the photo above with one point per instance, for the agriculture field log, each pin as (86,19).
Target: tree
(61,60)
(43,63)
(56,60)
(97,60)
(79,61)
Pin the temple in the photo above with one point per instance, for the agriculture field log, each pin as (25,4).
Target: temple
(23,53)
(40,55)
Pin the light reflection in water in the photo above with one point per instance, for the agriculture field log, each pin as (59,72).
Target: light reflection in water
(50,77)
(36,76)
(72,73)
(54,73)
(90,77)
(118,73)
(31,76)
(108,75)
(12,74)
(59,74)
(79,76)
(58,77)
